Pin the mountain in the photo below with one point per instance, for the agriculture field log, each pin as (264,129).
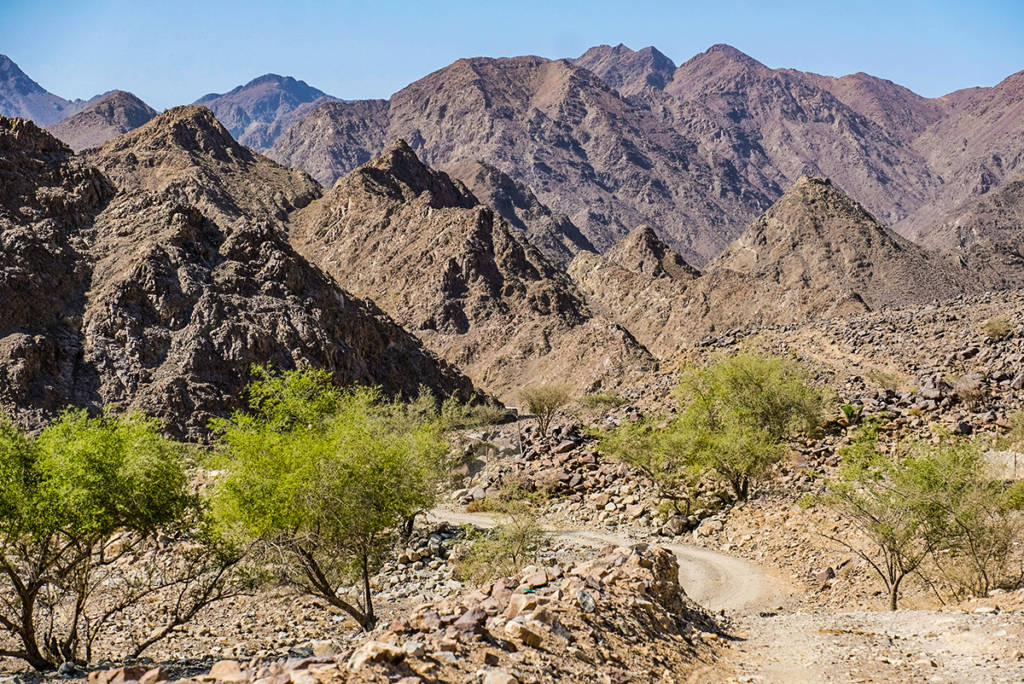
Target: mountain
(158,282)
(816,253)
(256,113)
(639,283)
(554,235)
(23,97)
(585,152)
(113,114)
(628,71)
(470,285)
(617,138)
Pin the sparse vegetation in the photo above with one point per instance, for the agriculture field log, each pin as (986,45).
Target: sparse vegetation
(928,508)
(998,327)
(81,506)
(736,414)
(545,401)
(506,548)
(604,399)
(320,480)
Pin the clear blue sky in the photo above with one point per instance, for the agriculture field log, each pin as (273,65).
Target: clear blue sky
(173,51)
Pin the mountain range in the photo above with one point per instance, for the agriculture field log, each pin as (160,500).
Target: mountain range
(498,223)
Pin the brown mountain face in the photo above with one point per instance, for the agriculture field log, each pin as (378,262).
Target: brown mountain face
(582,149)
(256,113)
(639,283)
(469,284)
(554,235)
(617,138)
(816,253)
(629,72)
(107,118)
(164,294)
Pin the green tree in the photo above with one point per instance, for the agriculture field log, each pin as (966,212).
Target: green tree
(321,479)
(736,413)
(544,401)
(656,447)
(80,508)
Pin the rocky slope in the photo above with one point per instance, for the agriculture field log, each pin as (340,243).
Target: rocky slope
(617,137)
(22,97)
(159,282)
(454,272)
(106,118)
(256,113)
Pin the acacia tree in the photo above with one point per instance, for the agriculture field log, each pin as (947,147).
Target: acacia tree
(544,401)
(737,412)
(321,479)
(651,446)
(80,508)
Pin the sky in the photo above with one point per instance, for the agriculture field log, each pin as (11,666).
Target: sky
(173,52)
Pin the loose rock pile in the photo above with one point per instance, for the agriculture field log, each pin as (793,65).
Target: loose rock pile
(620,617)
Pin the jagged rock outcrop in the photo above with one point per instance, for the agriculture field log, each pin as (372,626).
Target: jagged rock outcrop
(256,113)
(162,296)
(471,286)
(645,253)
(104,119)
(554,235)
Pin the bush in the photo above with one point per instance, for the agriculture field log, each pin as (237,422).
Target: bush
(998,327)
(544,401)
(603,400)
(507,548)
(736,414)
(321,480)
(930,502)
(655,447)
(80,508)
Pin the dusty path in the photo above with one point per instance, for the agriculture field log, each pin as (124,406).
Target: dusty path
(773,645)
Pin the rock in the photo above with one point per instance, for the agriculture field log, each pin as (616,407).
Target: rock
(323,648)
(472,621)
(586,601)
(374,651)
(520,603)
(227,671)
(499,677)
(518,629)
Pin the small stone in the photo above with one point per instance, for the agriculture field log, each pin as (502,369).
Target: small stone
(374,651)
(518,629)
(499,677)
(227,671)
(586,601)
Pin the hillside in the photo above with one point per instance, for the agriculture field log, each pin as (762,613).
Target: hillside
(467,283)
(106,118)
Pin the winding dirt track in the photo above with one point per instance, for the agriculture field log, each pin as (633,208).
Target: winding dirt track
(714,580)
(791,647)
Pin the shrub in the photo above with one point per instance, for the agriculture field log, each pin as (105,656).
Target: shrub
(998,327)
(544,401)
(603,400)
(80,508)
(505,549)
(736,414)
(929,502)
(653,446)
(321,480)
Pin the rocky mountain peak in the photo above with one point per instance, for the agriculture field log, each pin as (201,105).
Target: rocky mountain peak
(23,97)
(643,251)
(399,170)
(628,71)
(107,117)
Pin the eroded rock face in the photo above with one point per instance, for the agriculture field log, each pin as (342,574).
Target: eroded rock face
(162,293)
(106,118)
(469,285)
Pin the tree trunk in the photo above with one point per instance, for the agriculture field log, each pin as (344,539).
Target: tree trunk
(894,593)
(369,619)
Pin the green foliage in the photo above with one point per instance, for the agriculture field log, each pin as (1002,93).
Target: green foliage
(998,327)
(660,450)
(852,413)
(604,399)
(78,504)
(736,414)
(456,415)
(544,401)
(505,549)
(323,479)
(928,502)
